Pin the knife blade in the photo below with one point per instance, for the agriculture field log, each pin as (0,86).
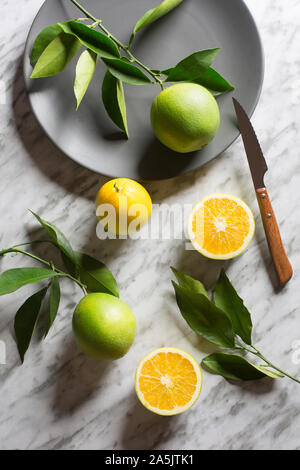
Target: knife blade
(258,168)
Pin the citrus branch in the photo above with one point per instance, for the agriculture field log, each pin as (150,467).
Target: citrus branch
(98,22)
(257,353)
(49,264)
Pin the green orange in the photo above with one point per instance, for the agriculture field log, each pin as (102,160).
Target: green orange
(185,117)
(104,326)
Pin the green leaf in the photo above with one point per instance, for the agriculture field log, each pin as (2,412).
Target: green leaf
(114,101)
(188,282)
(227,299)
(155,13)
(192,66)
(214,82)
(204,317)
(93,40)
(126,72)
(85,70)
(54,302)
(59,238)
(43,40)
(13,279)
(26,320)
(94,274)
(56,56)
(234,367)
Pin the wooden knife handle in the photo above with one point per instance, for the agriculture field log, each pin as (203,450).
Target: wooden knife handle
(282,265)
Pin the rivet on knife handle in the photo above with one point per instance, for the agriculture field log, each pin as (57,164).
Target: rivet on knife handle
(282,265)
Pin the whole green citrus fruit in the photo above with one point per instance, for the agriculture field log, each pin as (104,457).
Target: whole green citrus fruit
(104,326)
(185,117)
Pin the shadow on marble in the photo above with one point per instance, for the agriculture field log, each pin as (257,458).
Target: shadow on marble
(195,265)
(144,430)
(266,259)
(78,378)
(49,159)
(156,159)
(107,247)
(162,189)
(255,387)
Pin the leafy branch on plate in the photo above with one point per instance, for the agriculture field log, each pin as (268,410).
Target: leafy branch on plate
(57,44)
(226,322)
(88,273)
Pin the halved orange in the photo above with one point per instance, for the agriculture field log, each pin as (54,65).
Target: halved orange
(168,381)
(221,226)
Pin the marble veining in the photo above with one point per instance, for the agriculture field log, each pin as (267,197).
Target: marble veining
(60,399)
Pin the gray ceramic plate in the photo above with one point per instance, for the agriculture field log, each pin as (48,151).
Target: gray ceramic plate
(91,139)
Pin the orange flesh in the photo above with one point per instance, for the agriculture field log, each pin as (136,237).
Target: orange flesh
(220,226)
(167,380)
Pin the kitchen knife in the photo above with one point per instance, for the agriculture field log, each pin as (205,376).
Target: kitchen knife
(258,168)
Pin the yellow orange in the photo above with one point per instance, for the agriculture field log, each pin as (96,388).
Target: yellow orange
(168,381)
(221,226)
(131,202)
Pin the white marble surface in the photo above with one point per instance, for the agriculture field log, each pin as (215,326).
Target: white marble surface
(59,399)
